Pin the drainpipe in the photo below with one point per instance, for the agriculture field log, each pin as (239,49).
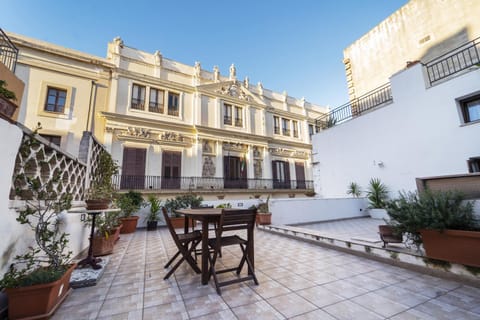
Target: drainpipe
(90,105)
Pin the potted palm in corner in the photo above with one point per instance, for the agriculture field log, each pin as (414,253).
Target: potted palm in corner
(39,280)
(129,203)
(153,217)
(377,195)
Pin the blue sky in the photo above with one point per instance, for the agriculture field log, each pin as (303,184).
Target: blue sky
(295,46)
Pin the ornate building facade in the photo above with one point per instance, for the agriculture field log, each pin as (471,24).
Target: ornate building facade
(170,126)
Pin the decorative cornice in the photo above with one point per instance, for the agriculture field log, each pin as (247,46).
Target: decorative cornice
(236,147)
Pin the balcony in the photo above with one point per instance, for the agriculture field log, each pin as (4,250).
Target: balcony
(126,182)
(155,107)
(8,52)
(138,104)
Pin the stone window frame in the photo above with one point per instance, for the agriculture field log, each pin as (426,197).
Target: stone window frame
(65,114)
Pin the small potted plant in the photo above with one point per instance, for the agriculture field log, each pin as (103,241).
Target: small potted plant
(107,232)
(377,195)
(38,281)
(129,203)
(189,200)
(264,216)
(101,192)
(153,216)
(354,190)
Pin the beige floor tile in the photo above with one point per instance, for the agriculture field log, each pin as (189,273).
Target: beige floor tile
(258,310)
(344,288)
(379,304)
(239,295)
(444,311)
(366,283)
(132,315)
(314,315)
(122,290)
(347,310)
(270,289)
(84,311)
(169,311)
(163,296)
(320,296)
(121,305)
(402,296)
(222,315)
(291,304)
(205,304)
(295,282)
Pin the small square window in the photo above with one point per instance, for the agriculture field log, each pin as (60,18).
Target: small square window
(52,138)
(155,104)
(474,165)
(138,97)
(470,109)
(56,99)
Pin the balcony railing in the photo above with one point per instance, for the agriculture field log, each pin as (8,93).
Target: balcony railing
(138,104)
(461,58)
(126,182)
(356,107)
(8,52)
(155,107)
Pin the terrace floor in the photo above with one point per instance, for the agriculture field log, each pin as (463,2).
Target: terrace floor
(298,280)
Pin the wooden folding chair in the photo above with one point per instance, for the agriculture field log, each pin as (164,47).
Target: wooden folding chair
(232,220)
(186,244)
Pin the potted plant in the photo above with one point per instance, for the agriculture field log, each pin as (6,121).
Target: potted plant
(38,281)
(189,200)
(129,203)
(264,216)
(377,195)
(153,217)
(101,191)
(8,107)
(442,221)
(106,234)
(354,190)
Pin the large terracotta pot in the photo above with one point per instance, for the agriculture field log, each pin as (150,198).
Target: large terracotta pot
(453,245)
(263,218)
(102,245)
(39,301)
(97,204)
(129,224)
(179,222)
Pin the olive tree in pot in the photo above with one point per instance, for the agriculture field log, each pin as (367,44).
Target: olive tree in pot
(377,195)
(442,221)
(153,216)
(129,203)
(101,191)
(38,281)
(264,216)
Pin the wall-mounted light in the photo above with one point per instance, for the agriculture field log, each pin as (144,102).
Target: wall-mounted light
(378,163)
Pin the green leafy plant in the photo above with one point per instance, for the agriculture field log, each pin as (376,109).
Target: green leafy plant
(263,207)
(129,202)
(224,206)
(101,186)
(48,259)
(5,93)
(188,200)
(377,194)
(155,206)
(105,223)
(431,210)
(354,190)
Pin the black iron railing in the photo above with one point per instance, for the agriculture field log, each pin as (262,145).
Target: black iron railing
(126,182)
(138,104)
(356,107)
(8,52)
(155,107)
(456,60)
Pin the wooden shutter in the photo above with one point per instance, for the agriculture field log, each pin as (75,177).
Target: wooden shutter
(133,168)
(300,174)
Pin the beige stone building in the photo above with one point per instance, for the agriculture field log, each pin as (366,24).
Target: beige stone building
(420,30)
(171,126)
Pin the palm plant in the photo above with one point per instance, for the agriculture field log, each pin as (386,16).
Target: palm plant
(354,189)
(377,194)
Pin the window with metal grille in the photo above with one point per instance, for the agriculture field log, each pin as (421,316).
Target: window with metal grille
(238,117)
(173,104)
(474,164)
(276,125)
(295,128)
(155,103)
(227,114)
(56,99)
(286,127)
(138,97)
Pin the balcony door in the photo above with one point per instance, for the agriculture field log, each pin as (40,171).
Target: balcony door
(281,174)
(234,172)
(300,174)
(133,168)
(171,169)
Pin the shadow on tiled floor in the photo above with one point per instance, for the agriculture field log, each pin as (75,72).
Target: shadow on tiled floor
(298,280)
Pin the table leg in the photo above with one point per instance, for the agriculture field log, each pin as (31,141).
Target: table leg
(90,259)
(205,252)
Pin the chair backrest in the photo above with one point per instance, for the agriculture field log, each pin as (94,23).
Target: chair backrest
(237,219)
(170,226)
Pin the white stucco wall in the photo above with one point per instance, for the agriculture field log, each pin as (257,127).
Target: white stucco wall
(419,135)
(293,211)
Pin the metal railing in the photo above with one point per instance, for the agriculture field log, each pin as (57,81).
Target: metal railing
(8,52)
(126,182)
(138,104)
(356,107)
(456,60)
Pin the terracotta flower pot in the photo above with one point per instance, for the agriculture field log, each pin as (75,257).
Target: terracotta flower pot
(97,204)
(179,222)
(456,246)
(263,218)
(129,224)
(102,245)
(38,301)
